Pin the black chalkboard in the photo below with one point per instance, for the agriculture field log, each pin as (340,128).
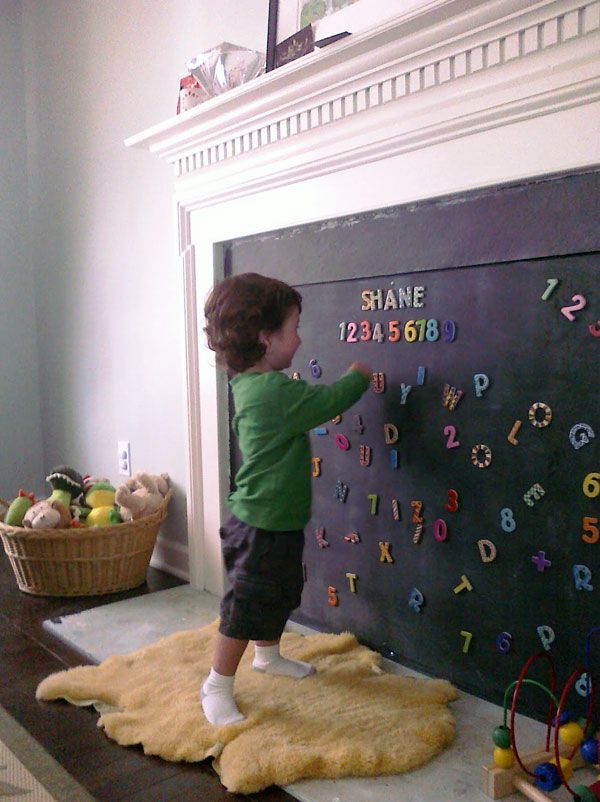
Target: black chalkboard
(478,315)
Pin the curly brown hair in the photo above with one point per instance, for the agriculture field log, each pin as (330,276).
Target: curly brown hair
(238,309)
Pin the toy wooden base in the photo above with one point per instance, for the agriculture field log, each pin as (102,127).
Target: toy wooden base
(498,783)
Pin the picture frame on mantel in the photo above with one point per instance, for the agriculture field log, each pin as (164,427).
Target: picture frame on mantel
(296,27)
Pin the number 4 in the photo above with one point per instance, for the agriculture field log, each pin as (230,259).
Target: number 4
(588,526)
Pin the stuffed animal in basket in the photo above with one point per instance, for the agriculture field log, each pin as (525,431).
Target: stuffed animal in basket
(100,497)
(141,495)
(18,507)
(66,483)
(47,514)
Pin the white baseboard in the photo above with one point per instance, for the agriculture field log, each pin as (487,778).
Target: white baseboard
(172,558)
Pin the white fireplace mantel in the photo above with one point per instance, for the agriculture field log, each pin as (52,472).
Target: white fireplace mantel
(455,95)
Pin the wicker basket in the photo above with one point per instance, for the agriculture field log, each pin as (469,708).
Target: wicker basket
(82,562)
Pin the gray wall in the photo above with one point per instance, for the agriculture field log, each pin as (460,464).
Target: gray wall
(21,463)
(107,287)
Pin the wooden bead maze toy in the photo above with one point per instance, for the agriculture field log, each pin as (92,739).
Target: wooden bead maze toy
(570,743)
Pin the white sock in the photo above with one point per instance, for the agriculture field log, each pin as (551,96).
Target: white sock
(268,659)
(216,696)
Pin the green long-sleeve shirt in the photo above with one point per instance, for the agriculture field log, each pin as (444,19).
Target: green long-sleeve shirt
(272,415)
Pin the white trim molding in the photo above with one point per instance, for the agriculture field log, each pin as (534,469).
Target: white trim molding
(445,72)
(455,95)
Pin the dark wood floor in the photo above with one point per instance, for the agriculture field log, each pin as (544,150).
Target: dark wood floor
(109,772)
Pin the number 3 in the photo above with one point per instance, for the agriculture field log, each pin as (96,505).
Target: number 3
(452,504)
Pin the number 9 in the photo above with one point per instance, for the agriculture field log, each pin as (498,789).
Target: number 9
(448,331)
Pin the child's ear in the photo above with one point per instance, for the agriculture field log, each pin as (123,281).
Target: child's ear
(264,338)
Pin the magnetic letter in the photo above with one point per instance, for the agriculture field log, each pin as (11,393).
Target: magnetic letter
(378,382)
(320,535)
(364,455)
(393,458)
(415,600)
(384,552)
(582,576)
(487,550)
(341,491)
(352,580)
(421,374)
(481,382)
(404,390)
(580,435)
(342,442)
(390,433)
(451,396)
(546,635)
(512,437)
(464,585)
(316,466)
(332,596)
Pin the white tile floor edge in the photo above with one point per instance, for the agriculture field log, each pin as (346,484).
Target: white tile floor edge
(454,776)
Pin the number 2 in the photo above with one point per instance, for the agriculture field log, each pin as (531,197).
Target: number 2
(450,433)
(579,303)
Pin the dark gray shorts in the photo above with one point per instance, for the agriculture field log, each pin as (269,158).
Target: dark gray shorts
(265,580)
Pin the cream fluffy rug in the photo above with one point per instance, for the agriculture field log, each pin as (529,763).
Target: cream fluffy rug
(349,719)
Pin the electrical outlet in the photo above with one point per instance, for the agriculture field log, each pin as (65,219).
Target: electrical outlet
(124,457)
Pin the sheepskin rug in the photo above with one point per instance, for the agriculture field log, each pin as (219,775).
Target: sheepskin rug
(349,719)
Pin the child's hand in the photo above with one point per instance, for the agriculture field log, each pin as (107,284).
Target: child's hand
(361,368)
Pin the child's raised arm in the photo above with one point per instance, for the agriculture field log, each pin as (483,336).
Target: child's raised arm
(306,405)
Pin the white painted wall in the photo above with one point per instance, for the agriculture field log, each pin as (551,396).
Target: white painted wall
(109,300)
(20,430)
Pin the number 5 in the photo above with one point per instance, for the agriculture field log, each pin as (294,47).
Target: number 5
(588,526)
(394,331)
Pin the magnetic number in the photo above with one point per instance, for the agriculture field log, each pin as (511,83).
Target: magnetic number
(591,485)
(394,331)
(507,520)
(315,369)
(416,516)
(448,331)
(467,636)
(583,685)
(374,333)
(452,504)
(440,530)
(450,433)
(374,499)
(378,333)
(594,532)
(578,305)
(410,331)
(432,332)
(504,642)
(414,331)
(552,284)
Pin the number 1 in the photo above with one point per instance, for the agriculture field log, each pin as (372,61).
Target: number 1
(552,285)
